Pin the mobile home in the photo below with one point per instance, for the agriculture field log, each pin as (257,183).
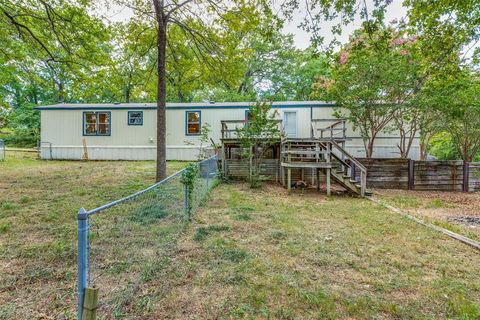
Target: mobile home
(128,131)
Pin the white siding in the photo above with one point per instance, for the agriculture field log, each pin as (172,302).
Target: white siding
(64,130)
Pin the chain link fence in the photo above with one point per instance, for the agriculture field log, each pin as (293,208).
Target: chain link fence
(2,150)
(126,243)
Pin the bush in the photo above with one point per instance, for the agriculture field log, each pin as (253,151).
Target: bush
(20,141)
(443,147)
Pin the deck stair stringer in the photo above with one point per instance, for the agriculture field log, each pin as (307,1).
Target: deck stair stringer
(323,155)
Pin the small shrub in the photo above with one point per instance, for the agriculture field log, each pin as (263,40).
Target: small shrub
(21,141)
(188,178)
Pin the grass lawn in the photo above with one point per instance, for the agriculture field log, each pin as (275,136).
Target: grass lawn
(39,201)
(269,255)
(247,254)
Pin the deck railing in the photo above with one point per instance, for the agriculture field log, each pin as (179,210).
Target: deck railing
(329,128)
(230,128)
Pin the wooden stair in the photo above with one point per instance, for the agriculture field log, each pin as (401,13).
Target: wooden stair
(327,156)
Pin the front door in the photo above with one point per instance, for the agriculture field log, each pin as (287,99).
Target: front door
(290,123)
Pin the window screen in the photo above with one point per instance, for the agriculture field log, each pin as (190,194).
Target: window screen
(135,118)
(96,123)
(193,122)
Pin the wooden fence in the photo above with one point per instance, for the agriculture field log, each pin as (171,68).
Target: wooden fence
(422,175)
(383,174)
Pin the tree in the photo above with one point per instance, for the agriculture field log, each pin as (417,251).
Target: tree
(448,27)
(46,46)
(456,97)
(201,32)
(373,81)
(257,136)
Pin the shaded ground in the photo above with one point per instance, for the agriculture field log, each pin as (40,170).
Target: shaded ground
(456,211)
(268,255)
(39,201)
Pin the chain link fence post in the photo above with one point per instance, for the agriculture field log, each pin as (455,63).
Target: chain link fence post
(2,150)
(187,211)
(83,226)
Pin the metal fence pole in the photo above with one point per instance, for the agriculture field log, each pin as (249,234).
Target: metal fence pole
(82,219)
(187,212)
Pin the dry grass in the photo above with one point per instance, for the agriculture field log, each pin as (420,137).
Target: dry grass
(39,201)
(456,211)
(269,255)
(248,254)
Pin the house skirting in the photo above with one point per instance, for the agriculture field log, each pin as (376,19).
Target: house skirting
(183,153)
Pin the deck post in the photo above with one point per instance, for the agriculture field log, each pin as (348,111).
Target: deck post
(318,178)
(328,158)
(289,170)
(329,192)
(250,164)
(223,160)
(363,183)
(289,179)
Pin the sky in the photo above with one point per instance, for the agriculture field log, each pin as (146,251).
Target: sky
(301,37)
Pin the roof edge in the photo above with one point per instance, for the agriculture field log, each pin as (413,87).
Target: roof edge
(203,105)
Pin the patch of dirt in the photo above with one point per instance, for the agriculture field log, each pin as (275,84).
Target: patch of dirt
(460,208)
(473,221)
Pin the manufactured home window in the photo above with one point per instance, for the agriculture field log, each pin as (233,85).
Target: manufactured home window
(248,115)
(135,118)
(193,122)
(96,123)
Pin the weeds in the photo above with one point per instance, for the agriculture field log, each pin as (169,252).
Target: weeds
(149,213)
(301,258)
(202,233)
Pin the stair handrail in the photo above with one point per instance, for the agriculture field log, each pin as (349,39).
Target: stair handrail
(363,169)
(349,156)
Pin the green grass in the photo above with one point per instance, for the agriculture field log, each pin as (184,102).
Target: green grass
(309,257)
(39,201)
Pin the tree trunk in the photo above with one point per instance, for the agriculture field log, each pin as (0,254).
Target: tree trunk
(161,91)
(369,148)
(127,94)
(61,93)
